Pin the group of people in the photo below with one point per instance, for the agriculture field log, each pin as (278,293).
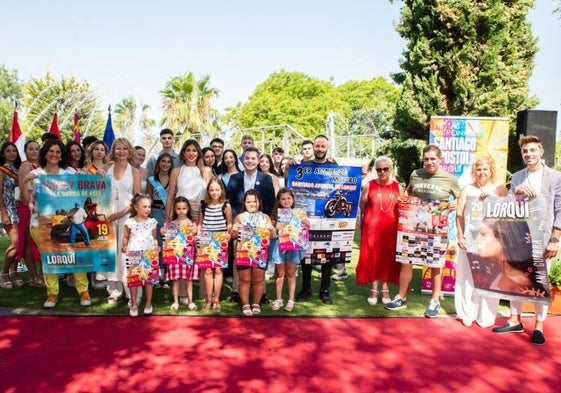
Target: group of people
(214,188)
(497,240)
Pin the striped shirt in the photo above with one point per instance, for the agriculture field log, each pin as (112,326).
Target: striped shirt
(213,219)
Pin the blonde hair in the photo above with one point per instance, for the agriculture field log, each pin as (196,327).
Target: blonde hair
(124,141)
(492,167)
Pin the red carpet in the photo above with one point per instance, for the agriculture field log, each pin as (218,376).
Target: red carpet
(200,354)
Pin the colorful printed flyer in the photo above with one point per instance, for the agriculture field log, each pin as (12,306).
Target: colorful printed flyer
(142,267)
(178,246)
(212,249)
(253,246)
(422,231)
(74,234)
(293,235)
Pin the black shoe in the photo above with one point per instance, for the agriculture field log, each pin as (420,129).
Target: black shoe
(234,297)
(325,297)
(538,338)
(506,328)
(264,299)
(304,294)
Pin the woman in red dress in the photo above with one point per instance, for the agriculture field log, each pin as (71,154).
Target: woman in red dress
(379,207)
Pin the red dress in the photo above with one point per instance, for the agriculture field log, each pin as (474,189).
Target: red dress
(379,232)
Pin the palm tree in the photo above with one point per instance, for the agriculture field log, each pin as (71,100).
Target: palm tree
(187,104)
(129,120)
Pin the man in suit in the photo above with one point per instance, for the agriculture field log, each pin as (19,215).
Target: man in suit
(535,180)
(250,179)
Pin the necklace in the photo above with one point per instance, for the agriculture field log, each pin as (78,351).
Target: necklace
(379,196)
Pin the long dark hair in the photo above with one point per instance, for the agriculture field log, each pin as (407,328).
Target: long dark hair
(180,199)
(5,145)
(276,207)
(157,166)
(250,193)
(82,160)
(223,168)
(64,159)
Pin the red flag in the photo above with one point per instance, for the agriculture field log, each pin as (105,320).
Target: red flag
(16,136)
(54,127)
(77,135)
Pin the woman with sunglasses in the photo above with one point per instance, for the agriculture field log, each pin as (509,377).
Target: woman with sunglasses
(378,204)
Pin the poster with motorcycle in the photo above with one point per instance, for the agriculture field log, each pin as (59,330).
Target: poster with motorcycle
(330,196)
(75,235)
(422,231)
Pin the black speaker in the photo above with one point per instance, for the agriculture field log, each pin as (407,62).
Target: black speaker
(543,124)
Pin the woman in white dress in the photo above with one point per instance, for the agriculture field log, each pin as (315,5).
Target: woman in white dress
(189,180)
(470,306)
(124,185)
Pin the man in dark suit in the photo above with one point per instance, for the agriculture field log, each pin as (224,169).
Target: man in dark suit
(251,179)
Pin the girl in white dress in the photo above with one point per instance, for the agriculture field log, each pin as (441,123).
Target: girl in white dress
(140,235)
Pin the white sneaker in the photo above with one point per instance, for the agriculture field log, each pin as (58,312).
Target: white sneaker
(192,306)
(148,310)
(133,312)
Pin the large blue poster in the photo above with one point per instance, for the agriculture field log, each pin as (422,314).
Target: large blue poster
(74,234)
(330,196)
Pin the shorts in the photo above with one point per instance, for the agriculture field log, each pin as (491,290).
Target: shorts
(279,257)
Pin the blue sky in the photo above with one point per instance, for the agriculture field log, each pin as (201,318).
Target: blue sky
(133,47)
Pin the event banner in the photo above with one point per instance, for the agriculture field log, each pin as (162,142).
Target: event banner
(74,234)
(178,246)
(504,248)
(422,231)
(293,235)
(461,139)
(142,267)
(253,246)
(330,195)
(212,249)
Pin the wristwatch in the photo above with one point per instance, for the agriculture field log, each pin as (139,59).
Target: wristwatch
(554,239)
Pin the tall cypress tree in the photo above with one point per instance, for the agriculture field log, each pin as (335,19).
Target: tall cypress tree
(463,57)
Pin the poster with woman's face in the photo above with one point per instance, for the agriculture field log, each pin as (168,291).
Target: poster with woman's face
(505,244)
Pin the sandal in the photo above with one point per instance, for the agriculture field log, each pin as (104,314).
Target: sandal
(386,299)
(174,307)
(373,299)
(246,310)
(289,306)
(37,283)
(217,307)
(18,282)
(207,306)
(277,304)
(6,284)
(256,309)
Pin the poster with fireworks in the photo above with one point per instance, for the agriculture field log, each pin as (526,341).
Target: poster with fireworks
(422,231)
(178,246)
(504,248)
(212,249)
(74,234)
(293,235)
(253,246)
(142,267)
(330,195)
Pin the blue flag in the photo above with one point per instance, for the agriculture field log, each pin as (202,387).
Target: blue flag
(109,135)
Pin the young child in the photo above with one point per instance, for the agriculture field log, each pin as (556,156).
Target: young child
(140,236)
(286,262)
(181,218)
(215,216)
(252,218)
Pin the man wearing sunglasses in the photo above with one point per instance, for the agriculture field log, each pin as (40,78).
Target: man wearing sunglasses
(432,182)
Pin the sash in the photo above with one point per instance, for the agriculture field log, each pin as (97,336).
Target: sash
(9,172)
(162,192)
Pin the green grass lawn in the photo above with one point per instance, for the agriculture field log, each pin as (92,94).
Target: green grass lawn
(349,298)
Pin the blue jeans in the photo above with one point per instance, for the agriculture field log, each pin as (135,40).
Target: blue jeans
(82,229)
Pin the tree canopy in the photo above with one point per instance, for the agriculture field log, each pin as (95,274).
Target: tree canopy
(463,57)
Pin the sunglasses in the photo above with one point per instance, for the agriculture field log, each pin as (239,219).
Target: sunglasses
(386,169)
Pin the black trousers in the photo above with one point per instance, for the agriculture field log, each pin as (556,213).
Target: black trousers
(325,276)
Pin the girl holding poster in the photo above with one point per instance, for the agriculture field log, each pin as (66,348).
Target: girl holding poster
(139,236)
(215,216)
(182,221)
(251,219)
(287,249)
